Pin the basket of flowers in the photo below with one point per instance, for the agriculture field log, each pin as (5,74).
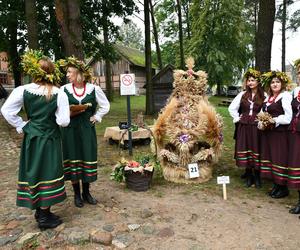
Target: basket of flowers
(136,173)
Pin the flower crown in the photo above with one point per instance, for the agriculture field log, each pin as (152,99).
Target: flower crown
(72,61)
(297,63)
(31,66)
(252,72)
(267,77)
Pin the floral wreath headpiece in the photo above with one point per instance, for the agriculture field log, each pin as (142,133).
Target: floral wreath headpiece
(31,66)
(72,61)
(297,63)
(267,77)
(252,72)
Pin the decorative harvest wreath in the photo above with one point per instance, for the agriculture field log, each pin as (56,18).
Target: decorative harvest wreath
(72,61)
(267,77)
(252,72)
(31,66)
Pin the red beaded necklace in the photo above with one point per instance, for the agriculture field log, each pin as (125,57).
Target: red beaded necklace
(298,97)
(272,98)
(79,95)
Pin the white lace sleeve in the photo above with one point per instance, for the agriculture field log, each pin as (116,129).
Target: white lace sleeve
(63,110)
(102,102)
(234,107)
(287,108)
(12,107)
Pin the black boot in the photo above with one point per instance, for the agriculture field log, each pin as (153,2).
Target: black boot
(38,212)
(296,209)
(257,180)
(249,177)
(274,189)
(77,197)
(281,193)
(45,221)
(86,196)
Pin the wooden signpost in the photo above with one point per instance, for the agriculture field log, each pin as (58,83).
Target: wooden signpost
(223,180)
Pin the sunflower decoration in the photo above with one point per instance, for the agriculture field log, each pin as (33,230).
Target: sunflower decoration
(72,61)
(31,66)
(252,72)
(267,78)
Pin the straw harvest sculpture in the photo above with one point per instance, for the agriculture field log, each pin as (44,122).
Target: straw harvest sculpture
(188,129)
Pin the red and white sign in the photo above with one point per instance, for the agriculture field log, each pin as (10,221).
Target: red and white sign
(127,85)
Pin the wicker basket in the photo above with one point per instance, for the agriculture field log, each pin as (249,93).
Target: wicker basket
(137,181)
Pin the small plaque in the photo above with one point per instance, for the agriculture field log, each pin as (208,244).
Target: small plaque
(193,170)
(223,180)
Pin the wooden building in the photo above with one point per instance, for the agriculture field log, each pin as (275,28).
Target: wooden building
(131,60)
(162,87)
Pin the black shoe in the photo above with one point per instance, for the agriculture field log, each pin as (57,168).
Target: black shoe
(295,210)
(274,190)
(38,212)
(78,201)
(45,221)
(257,180)
(249,181)
(281,193)
(86,196)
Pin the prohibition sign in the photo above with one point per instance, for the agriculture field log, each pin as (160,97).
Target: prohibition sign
(127,80)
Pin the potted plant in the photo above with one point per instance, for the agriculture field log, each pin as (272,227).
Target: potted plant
(136,173)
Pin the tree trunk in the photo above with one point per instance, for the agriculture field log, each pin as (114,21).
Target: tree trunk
(255,28)
(31,21)
(108,84)
(283,27)
(13,54)
(266,17)
(180,34)
(186,9)
(68,19)
(155,36)
(149,87)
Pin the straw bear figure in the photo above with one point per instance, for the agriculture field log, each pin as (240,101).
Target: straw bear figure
(188,129)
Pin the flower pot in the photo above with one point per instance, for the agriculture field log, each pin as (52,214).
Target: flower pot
(138,181)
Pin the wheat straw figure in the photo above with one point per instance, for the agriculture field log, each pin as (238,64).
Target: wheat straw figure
(188,129)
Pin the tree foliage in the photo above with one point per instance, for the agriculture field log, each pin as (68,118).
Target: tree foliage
(219,42)
(130,35)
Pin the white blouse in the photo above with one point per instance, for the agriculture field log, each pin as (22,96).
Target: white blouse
(101,99)
(285,118)
(14,103)
(235,105)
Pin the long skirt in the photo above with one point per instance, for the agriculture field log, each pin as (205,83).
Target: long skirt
(247,146)
(41,177)
(80,153)
(274,155)
(294,160)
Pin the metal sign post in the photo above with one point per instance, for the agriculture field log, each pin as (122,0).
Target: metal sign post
(127,87)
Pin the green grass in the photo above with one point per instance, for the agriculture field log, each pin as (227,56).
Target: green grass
(225,165)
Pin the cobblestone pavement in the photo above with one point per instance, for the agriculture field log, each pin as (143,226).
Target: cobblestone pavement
(166,217)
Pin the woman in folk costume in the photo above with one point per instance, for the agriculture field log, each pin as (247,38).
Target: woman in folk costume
(41,177)
(243,110)
(294,144)
(79,138)
(274,123)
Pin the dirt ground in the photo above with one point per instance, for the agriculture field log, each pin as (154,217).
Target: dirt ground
(168,216)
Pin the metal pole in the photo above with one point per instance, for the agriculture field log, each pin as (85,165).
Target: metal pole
(129,125)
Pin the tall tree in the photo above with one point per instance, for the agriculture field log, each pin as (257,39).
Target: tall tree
(221,50)
(31,21)
(149,87)
(68,18)
(180,33)
(155,35)
(132,36)
(266,17)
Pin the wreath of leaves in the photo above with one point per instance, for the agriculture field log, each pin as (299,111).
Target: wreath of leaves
(297,63)
(252,72)
(30,65)
(267,77)
(72,61)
